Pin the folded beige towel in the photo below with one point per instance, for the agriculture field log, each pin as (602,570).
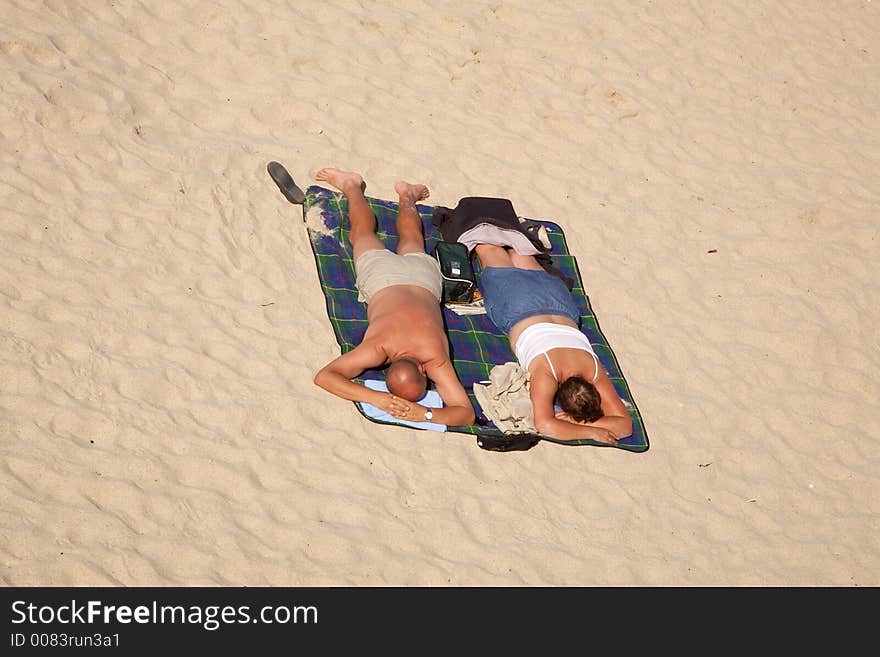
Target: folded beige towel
(505,398)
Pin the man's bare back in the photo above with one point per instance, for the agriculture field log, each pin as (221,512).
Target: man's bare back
(405,321)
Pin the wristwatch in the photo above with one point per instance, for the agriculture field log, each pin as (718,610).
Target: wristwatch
(428,415)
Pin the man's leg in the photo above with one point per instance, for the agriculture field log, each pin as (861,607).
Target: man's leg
(409,223)
(363,222)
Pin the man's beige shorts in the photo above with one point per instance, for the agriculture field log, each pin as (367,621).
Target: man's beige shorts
(380,268)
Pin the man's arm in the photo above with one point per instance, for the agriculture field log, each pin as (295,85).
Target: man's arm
(336,377)
(607,429)
(457,411)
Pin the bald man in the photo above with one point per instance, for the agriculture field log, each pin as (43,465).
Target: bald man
(402,291)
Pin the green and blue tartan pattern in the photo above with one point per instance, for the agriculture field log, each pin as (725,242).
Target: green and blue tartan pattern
(476,344)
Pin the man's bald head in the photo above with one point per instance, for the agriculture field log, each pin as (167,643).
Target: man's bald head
(405,379)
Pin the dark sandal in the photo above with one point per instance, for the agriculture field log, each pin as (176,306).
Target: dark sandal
(285,183)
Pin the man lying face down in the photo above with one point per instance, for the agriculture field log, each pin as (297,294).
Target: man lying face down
(405,325)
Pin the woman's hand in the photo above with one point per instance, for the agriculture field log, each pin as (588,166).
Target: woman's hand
(599,434)
(603,436)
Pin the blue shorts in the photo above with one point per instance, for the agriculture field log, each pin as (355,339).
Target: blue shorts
(512,295)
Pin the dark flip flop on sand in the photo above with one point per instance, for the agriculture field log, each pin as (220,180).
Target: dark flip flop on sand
(285,183)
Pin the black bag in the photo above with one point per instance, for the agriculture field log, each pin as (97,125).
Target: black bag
(519,442)
(459,282)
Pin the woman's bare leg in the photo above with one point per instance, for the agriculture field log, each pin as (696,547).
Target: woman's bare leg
(524,261)
(491,255)
(498,256)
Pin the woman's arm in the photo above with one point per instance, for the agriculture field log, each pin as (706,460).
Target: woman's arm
(618,427)
(615,416)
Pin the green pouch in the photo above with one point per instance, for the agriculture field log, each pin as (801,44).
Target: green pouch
(459,282)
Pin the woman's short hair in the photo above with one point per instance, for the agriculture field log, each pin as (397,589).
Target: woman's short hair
(580,399)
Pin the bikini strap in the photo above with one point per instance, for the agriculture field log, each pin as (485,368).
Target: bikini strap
(550,363)
(595,360)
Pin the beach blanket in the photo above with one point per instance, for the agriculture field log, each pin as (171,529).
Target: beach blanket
(476,345)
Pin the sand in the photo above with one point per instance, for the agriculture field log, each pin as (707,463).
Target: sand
(713,166)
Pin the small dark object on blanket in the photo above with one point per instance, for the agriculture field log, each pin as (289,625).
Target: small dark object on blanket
(459,282)
(519,442)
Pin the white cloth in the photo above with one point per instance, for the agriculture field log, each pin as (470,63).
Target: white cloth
(492,234)
(431,400)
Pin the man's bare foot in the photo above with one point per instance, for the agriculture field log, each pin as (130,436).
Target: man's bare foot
(409,192)
(342,180)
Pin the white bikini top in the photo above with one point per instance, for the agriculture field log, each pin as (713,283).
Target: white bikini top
(540,338)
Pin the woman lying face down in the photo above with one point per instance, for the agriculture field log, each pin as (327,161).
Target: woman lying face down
(540,317)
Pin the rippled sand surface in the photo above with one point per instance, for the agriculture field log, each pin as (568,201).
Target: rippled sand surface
(714,166)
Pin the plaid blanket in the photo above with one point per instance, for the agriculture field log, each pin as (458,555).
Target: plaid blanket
(476,345)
